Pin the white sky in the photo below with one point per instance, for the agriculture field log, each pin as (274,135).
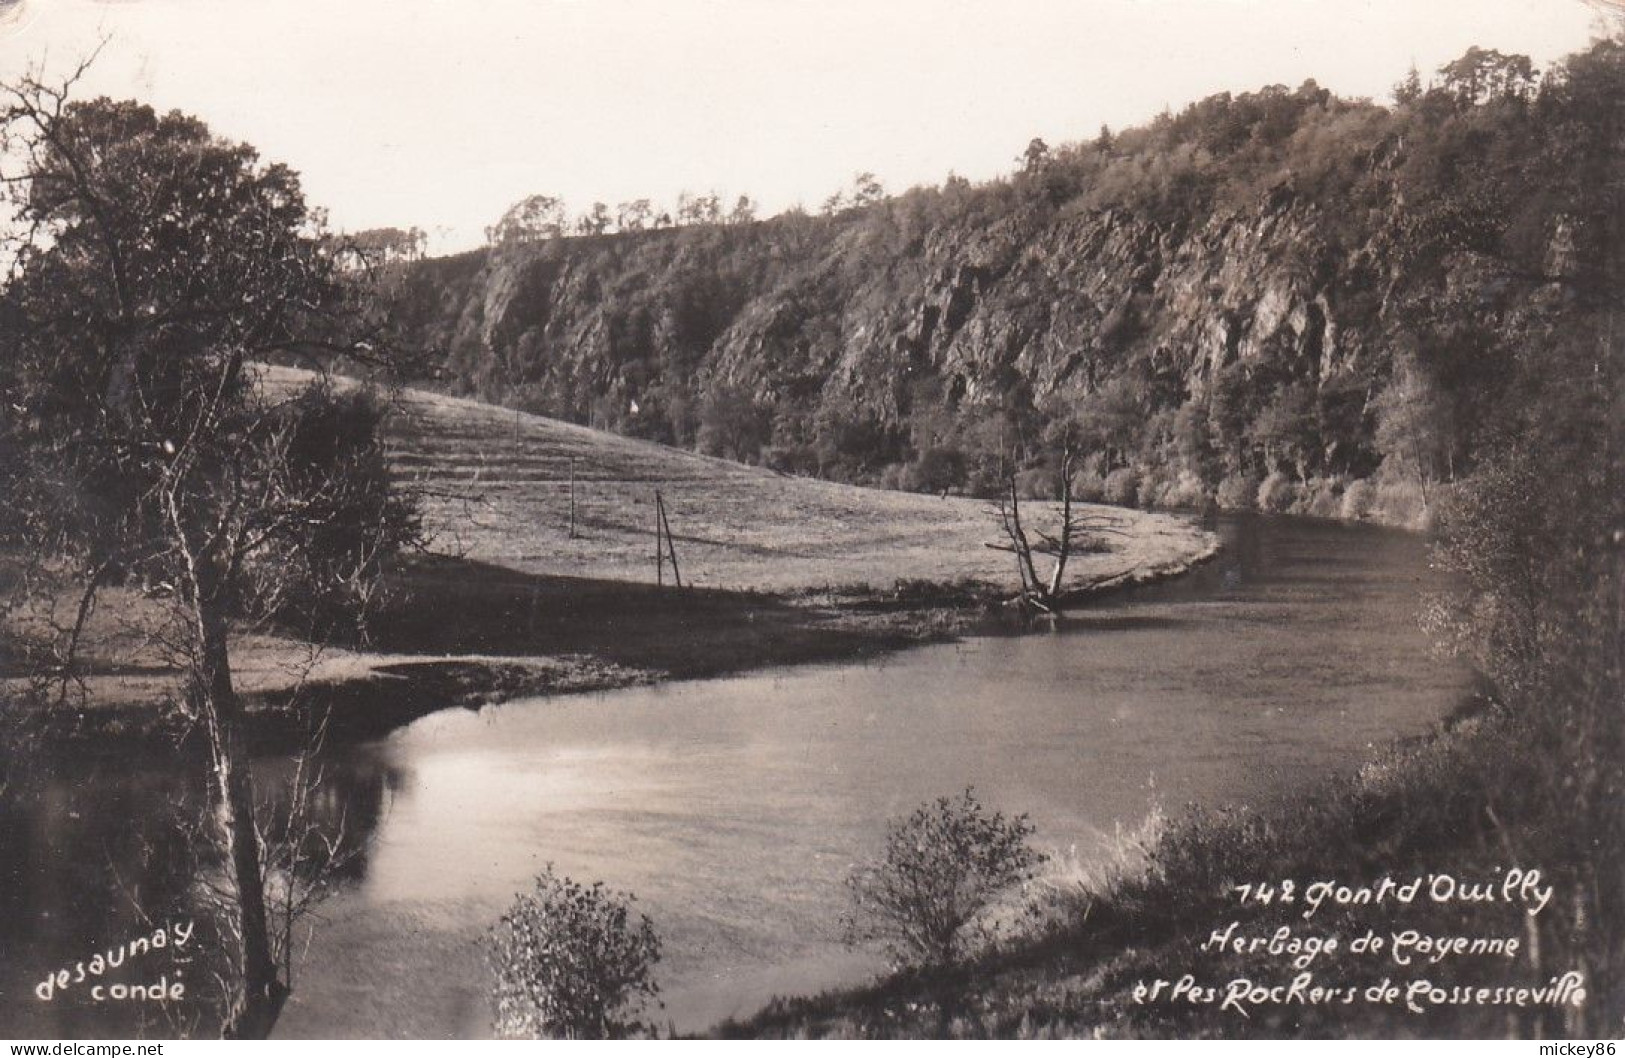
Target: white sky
(441,113)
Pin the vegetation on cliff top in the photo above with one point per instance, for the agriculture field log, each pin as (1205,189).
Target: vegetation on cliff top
(1280,298)
(1531,779)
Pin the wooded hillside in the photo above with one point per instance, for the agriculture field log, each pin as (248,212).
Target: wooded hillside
(1262,299)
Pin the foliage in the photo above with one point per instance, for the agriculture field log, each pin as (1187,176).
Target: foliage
(942,868)
(732,424)
(390,245)
(1448,228)
(531,219)
(570,963)
(937,470)
(320,572)
(156,263)
(130,398)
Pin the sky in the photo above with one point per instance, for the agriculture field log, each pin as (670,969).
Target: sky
(442,113)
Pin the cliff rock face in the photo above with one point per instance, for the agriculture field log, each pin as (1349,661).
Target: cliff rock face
(823,313)
(1011,300)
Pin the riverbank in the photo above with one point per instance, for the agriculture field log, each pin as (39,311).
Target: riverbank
(541,580)
(459,634)
(1476,800)
(734,806)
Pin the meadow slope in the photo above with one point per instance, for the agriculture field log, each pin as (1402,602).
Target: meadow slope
(505,602)
(498,492)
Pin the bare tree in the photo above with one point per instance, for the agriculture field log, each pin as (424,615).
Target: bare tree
(1076,529)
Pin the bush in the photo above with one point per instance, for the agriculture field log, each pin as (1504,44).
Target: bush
(938,470)
(1401,502)
(1277,494)
(1088,486)
(570,964)
(791,459)
(943,867)
(1357,500)
(1123,487)
(1237,492)
(1185,491)
(896,477)
(1321,498)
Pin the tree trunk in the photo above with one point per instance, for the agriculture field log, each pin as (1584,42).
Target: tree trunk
(1058,574)
(1029,575)
(253,1011)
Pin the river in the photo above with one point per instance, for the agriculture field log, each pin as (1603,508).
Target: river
(733,808)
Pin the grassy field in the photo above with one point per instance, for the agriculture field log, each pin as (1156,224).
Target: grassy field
(498,486)
(506,601)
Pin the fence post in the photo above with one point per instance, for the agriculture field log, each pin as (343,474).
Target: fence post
(671,545)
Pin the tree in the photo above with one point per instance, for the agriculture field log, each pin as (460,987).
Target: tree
(733,424)
(866,190)
(938,470)
(943,866)
(1109,420)
(157,263)
(635,215)
(1232,403)
(695,209)
(744,211)
(1535,601)
(1484,74)
(1193,441)
(1035,157)
(850,440)
(594,222)
(571,964)
(1409,90)
(1286,430)
(1063,439)
(1413,422)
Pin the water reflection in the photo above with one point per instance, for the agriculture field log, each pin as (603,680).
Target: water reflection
(734,807)
(106,851)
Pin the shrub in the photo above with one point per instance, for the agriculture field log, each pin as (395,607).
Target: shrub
(1088,486)
(1237,492)
(791,459)
(1185,491)
(896,477)
(1320,497)
(1400,501)
(570,963)
(1123,487)
(1037,483)
(1357,499)
(938,470)
(943,867)
(1277,494)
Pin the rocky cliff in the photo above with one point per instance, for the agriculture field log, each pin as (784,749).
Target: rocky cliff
(1237,306)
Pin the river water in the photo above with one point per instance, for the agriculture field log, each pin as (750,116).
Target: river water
(733,808)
